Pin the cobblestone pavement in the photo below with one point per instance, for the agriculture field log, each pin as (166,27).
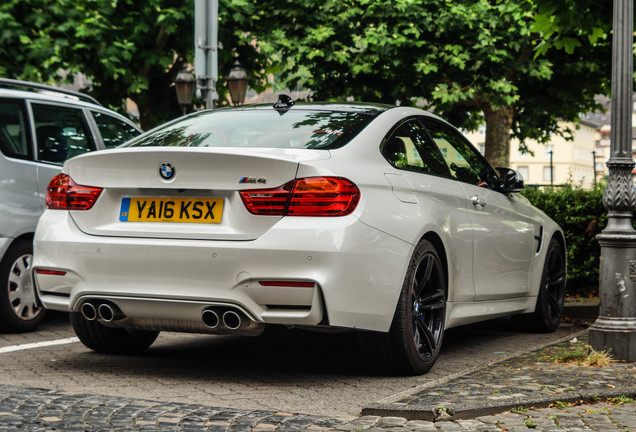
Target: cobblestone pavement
(531,379)
(29,409)
(290,371)
(483,382)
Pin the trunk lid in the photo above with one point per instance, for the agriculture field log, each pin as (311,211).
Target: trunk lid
(137,201)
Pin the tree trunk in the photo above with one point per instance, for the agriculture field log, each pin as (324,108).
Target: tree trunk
(498,123)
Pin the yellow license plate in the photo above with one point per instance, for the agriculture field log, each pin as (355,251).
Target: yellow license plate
(190,210)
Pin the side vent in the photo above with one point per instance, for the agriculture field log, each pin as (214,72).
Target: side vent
(539,238)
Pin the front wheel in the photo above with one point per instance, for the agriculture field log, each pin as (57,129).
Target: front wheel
(18,311)
(111,340)
(549,309)
(415,338)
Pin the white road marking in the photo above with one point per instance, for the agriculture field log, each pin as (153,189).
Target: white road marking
(38,345)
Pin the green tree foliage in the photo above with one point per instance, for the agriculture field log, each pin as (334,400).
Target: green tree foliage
(569,24)
(127,48)
(581,214)
(469,60)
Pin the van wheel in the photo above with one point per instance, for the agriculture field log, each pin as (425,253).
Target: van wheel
(111,340)
(18,311)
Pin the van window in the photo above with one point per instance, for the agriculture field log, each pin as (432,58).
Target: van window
(13,132)
(61,133)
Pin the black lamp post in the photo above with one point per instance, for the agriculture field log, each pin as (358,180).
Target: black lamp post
(184,84)
(594,165)
(615,328)
(237,82)
(551,168)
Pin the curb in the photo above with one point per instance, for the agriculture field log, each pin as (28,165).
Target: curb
(584,309)
(522,382)
(468,412)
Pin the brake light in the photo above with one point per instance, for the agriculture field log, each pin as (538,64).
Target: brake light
(271,202)
(314,196)
(64,194)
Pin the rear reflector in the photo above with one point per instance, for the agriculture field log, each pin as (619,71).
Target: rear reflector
(64,194)
(50,272)
(287,284)
(314,196)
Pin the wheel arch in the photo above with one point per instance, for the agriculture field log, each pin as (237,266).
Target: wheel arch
(25,236)
(437,242)
(558,235)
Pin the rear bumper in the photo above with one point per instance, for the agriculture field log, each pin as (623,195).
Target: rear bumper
(356,272)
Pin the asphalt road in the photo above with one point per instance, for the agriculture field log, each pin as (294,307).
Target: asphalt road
(282,370)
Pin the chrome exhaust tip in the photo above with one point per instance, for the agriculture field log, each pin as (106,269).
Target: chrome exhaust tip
(89,312)
(210,318)
(232,320)
(106,312)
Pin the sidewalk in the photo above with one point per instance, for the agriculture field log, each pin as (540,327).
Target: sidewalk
(514,390)
(531,380)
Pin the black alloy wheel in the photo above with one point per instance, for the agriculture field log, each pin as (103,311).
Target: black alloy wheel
(553,285)
(551,298)
(428,306)
(415,338)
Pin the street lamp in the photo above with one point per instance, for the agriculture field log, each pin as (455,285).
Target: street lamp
(551,169)
(184,83)
(594,165)
(615,328)
(237,82)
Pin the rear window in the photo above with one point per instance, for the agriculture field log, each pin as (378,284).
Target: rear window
(259,128)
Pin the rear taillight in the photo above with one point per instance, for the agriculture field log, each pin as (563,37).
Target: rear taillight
(64,194)
(314,196)
(271,202)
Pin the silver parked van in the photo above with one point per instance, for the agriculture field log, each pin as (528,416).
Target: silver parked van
(40,128)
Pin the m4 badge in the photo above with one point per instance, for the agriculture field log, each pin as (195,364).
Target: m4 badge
(253,180)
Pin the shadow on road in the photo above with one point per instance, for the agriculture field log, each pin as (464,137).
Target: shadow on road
(281,352)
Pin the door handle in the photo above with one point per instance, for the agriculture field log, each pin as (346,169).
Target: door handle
(478,201)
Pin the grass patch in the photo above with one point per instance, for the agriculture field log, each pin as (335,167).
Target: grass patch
(583,355)
(620,400)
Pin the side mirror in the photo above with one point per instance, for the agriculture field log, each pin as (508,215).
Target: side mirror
(510,180)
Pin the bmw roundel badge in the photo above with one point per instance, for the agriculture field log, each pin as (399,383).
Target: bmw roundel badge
(167,170)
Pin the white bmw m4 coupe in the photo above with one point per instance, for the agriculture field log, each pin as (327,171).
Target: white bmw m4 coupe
(380,219)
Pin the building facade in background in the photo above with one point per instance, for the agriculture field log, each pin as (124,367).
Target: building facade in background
(580,161)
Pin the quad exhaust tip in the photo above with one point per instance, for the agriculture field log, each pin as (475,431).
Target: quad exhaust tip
(104,312)
(89,312)
(232,320)
(214,317)
(210,318)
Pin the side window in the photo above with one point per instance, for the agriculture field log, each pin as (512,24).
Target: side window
(13,131)
(114,131)
(61,133)
(463,161)
(409,148)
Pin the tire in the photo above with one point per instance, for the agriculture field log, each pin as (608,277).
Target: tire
(111,340)
(414,340)
(18,312)
(549,309)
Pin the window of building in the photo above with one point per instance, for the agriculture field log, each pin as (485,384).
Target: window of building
(549,148)
(524,171)
(548,173)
